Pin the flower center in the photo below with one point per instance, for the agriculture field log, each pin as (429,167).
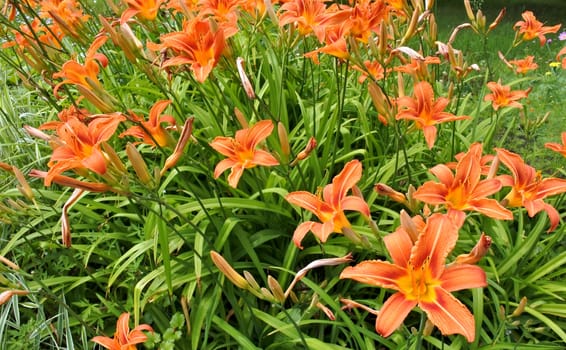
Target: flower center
(419,284)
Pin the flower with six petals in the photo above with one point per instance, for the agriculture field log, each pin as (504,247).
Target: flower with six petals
(464,190)
(330,208)
(531,28)
(124,338)
(528,188)
(420,277)
(425,111)
(241,151)
(502,96)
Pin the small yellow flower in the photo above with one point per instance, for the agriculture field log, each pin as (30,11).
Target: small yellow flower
(554,64)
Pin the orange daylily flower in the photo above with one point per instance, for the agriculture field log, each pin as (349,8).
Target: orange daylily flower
(241,151)
(528,188)
(373,68)
(78,145)
(143,9)
(420,277)
(366,18)
(330,208)
(335,45)
(557,147)
(425,111)
(502,96)
(198,45)
(531,28)
(124,338)
(68,14)
(224,12)
(418,68)
(84,74)
(310,16)
(524,65)
(463,191)
(151,131)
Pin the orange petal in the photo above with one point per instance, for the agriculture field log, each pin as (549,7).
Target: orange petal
(450,315)
(393,313)
(399,245)
(343,182)
(257,133)
(305,200)
(123,328)
(463,276)
(375,272)
(434,243)
(301,231)
(357,204)
(235,174)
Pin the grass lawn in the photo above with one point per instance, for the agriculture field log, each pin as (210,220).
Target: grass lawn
(529,132)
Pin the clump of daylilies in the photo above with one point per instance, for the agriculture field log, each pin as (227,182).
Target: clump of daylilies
(101,143)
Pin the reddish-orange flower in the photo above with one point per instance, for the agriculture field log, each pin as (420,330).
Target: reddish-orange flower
(373,68)
(310,16)
(330,208)
(420,277)
(335,44)
(531,28)
(557,147)
(151,131)
(425,111)
(463,191)
(241,151)
(143,9)
(502,96)
(528,188)
(224,12)
(124,338)
(86,74)
(366,18)
(198,45)
(524,65)
(79,145)
(418,67)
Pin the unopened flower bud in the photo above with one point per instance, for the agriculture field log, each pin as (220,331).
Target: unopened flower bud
(139,165)
(520,308)
(251,280)
(24,187)
(384,190)
(311,145)
(228,270)
(276,289)
(183,140)
(241,118)
(65,225)
(283,139)
(497,20)
(478,252)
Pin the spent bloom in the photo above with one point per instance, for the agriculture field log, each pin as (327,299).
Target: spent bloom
(420,277)
(464,190)
(241,151)
(330,208)
(531,28)
(425,111)
(528,188)
(502,96)
(124,338)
